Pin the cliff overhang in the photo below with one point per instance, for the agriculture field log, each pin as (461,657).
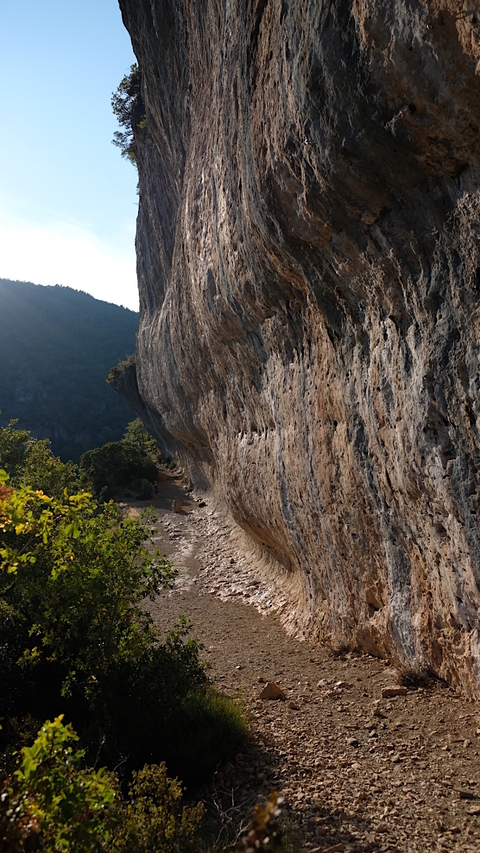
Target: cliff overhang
(308,264)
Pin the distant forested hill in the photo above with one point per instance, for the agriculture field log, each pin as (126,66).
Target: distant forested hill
(56,347)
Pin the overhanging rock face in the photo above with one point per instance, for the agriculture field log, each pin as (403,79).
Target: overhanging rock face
(308,257)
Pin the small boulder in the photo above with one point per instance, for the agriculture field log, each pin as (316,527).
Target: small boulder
(272,691)
(393,690)
(177,506)
(466,794)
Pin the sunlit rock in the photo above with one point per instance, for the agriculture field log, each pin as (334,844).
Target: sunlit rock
(308,261)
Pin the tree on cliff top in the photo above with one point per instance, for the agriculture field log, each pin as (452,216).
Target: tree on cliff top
(128,108)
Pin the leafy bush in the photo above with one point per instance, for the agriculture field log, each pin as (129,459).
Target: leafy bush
(50,803)
(115,466)
(53,803)
(129,463)
(152,818)
(13,443)
(206,728)
(168,711)
(75,636)
(28,461)
(137,702)
(74,574)
(137,436)
(120,369)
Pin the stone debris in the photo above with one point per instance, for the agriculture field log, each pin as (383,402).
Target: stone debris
(272,691)
(466,794)
(360,774)
(393,690)
(378,713)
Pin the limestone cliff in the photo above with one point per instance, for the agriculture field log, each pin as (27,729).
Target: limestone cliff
(308,261)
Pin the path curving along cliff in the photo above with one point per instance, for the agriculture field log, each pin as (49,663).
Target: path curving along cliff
(308,262)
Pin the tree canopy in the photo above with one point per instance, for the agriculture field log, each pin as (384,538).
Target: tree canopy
(128,108)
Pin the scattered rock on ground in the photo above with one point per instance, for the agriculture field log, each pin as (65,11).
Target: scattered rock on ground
(399,790)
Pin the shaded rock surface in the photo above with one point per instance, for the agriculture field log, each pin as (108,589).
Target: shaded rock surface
(308,267)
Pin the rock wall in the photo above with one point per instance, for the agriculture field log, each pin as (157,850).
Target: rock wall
(308,261)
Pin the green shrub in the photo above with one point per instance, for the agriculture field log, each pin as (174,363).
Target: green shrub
(52,803)
(74,574)
(116,466)
(168,712)
(137,435)
(28,461)
(49,803)
(12,447)
(144,492)
(152,818)
(127,464)
(137,700)
(122,367)
(74,637)
(206,730)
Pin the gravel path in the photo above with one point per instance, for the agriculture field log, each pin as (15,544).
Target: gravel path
(359,771)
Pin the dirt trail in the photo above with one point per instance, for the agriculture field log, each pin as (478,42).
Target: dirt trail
(359,772)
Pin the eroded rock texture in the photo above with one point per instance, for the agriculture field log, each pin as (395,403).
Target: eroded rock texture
(308,258)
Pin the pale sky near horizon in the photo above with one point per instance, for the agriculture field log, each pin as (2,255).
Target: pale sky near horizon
(68,200)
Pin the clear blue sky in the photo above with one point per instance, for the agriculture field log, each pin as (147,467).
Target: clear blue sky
(67,199)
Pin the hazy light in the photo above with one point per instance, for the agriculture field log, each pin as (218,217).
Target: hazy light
(68,254)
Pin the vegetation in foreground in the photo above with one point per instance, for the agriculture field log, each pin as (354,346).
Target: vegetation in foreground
(77,644)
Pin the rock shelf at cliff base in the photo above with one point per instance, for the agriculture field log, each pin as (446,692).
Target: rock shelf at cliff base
(308,261)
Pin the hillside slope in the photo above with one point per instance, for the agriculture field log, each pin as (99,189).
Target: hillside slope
(56,348)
